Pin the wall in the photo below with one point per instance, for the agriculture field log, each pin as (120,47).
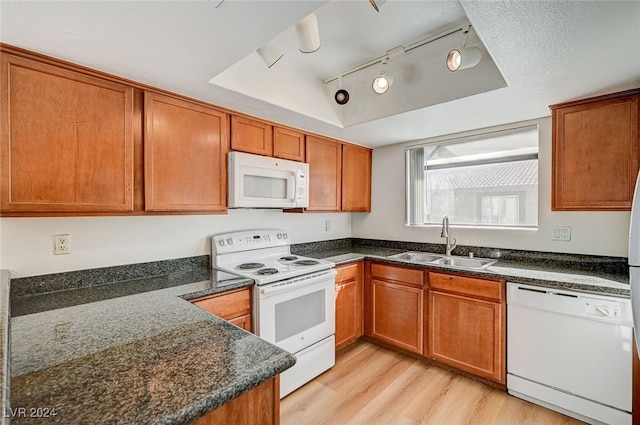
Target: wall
(26,244)
(595,233)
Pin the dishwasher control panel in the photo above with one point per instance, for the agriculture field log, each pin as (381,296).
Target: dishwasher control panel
(602,310)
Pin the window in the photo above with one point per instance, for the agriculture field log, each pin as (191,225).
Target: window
(489,179)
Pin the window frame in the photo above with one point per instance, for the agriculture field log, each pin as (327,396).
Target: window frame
(415,183)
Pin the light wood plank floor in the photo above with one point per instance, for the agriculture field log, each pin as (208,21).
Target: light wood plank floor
(376,386)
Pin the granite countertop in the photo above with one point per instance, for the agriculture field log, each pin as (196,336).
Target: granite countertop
(568,275)
(149,357)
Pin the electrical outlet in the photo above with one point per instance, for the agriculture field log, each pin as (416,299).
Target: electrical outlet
(562,233)
(61,244)
(327,226)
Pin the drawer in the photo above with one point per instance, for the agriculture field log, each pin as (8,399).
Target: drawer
(347,272)
(493,290)
(399,274)
(227,305)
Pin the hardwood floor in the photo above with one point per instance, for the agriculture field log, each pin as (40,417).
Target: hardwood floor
(373,385)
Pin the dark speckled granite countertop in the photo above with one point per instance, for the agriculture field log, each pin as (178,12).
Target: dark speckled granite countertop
(131,353)
(600,275)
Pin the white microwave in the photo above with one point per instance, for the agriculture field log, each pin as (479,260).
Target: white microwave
(262,182)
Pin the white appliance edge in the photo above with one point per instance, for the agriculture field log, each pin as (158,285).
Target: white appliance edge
(634,260)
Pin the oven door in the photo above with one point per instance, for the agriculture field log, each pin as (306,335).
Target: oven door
(298,312)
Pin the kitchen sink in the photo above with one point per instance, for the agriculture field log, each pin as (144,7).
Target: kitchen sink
(465,262)
(417,257)
(441,260)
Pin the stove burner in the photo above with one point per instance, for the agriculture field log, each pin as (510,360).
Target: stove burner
(306,262)
(249,266)
(267,271)
(288,258)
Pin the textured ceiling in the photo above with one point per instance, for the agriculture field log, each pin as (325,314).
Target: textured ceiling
(546,51)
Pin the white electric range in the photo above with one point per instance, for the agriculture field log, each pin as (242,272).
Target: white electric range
(293,300)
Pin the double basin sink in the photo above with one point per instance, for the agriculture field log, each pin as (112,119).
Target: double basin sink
(444,261)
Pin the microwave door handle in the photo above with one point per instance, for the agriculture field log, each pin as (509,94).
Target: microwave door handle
(294,188)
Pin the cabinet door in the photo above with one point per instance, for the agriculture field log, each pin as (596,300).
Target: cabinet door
(227,305)
(396,314)
(356,175)
(67,140)
(259,406)
(251,136)
(184,155)
(349,300)
(288,144)
(595,154)
(324,157)
(468,334)
(234,306)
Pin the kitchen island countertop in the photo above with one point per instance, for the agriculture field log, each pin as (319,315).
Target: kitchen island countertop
(151,357)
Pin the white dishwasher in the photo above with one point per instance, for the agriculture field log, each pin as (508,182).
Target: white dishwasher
(571,352)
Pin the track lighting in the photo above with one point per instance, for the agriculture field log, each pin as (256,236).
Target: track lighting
(382,83)
(269,54)
(464,57)
(308,35)
(341,96)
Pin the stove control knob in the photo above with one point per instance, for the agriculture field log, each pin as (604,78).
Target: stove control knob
(279,235)
(221,242)
(285,236)
(229,241)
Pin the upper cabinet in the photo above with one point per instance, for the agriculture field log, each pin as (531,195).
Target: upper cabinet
(339,176)
(356,178)
(288,144)
(185,152)
(595,152)
(261,138)
(251,136)
(325,173)
(75,141)
(66,140)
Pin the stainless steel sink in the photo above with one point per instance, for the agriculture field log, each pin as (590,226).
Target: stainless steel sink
(417,257)
(441,260)
(465,262)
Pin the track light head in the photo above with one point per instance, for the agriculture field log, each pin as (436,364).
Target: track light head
(342,97)
(308,34)
(463,58)
(269,54)
(382,83)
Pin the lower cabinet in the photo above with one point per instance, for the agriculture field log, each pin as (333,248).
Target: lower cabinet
(466,324)
(349,302)
(394,301)
(233,306)
(260,406)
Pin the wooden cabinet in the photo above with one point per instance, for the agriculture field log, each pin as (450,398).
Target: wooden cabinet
(251,136)
(259,406)
(234,306)
(66,140)
(595,152)
(466,324)
(324,157)
(356,178)
(349,302)
(184,155)
(288,144)
(394,306)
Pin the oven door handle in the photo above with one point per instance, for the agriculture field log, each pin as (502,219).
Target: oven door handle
(299,282)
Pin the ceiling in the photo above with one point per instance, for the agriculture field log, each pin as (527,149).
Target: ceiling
(536,53)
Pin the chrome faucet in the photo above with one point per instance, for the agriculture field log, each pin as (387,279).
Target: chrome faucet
(448,246)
